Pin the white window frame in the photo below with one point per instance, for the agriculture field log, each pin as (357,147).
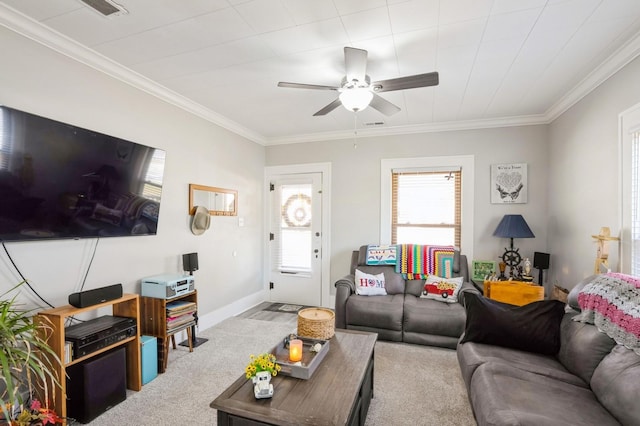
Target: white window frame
(629,123)
(466,164)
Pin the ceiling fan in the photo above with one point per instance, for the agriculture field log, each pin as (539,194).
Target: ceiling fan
(356,90)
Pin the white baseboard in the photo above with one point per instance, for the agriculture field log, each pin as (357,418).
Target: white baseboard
(221,314)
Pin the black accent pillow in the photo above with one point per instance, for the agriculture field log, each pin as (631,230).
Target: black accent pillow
(534,327)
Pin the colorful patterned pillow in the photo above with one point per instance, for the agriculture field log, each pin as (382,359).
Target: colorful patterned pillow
(442,289)
(370,285)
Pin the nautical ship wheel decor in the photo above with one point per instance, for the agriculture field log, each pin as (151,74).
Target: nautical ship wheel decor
(511,257)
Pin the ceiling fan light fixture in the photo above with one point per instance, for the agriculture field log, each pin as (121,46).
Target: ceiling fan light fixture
(356,99)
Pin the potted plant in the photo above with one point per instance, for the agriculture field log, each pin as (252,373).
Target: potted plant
(27,365)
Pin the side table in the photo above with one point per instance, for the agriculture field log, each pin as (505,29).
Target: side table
(153,321)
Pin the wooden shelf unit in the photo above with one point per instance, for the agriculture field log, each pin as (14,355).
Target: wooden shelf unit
(126,306)
(153,322)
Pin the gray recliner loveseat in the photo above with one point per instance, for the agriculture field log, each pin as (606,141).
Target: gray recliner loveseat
(401,315)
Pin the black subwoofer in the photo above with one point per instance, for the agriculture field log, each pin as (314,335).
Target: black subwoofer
(96,385)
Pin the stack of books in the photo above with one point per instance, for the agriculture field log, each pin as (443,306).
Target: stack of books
(180,314)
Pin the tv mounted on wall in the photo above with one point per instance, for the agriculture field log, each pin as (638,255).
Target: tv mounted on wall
(61,181)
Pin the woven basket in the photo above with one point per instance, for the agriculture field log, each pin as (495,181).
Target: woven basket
(317,323)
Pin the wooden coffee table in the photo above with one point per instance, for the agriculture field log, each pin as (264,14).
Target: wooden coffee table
(338,393)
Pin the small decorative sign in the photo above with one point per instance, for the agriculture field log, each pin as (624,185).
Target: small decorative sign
(509,183)
(481,269)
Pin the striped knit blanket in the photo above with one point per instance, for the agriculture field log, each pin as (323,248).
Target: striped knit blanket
(417,261)
(612,303)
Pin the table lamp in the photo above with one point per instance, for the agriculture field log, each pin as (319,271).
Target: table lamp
(512,226)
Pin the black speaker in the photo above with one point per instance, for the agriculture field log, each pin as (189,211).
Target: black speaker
(95,385)
(95,296)
(190,262)
(540,260)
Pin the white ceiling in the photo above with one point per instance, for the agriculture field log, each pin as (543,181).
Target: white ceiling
(501,62)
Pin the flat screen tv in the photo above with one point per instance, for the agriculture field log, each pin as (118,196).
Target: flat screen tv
(61,181)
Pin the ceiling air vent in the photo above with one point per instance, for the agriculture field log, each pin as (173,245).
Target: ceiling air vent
(105,7)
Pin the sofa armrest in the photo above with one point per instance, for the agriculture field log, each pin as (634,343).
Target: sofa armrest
(345,287)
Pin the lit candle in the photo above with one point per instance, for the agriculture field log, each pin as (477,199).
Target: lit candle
(295,350)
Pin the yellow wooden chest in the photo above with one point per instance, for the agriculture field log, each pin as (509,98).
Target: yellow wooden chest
(513,292)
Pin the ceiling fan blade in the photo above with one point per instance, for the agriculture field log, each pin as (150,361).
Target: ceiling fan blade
(305,86)
(355,63)
(326,110)
(383,105)
(410,82)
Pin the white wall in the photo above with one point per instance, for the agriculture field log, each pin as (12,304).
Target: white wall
(584,176)
(38,80)
(355,214)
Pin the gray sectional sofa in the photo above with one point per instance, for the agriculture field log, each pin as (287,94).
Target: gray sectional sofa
(401,315)
(591,380)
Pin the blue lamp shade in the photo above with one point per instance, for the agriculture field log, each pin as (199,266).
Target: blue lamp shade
(513,226)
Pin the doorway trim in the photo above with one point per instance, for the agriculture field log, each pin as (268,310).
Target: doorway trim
(327,300)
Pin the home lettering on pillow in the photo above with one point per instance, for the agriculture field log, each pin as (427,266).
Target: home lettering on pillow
(370,285)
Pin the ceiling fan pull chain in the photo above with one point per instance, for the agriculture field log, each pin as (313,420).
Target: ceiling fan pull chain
(355,130)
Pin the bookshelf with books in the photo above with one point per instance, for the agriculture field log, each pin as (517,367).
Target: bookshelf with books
(162,318)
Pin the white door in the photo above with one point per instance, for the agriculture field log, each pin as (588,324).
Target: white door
(296,239)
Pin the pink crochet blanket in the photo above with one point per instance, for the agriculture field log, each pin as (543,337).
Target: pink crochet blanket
(612,303)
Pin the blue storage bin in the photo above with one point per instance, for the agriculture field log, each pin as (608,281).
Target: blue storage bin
(149,353)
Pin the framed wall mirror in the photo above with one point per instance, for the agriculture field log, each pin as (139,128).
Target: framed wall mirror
(219,201)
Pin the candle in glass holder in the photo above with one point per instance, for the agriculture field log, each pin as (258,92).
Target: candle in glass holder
(295,350)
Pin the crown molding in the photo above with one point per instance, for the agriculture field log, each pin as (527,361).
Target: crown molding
(32,29)
(614,63)
(449,126)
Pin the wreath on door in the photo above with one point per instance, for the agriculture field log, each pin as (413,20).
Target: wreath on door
(296,211)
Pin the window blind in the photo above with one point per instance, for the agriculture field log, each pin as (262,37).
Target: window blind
(426,207)
(152,188)
(635,203)
(5,147)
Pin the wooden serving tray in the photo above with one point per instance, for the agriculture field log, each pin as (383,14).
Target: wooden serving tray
(305,368)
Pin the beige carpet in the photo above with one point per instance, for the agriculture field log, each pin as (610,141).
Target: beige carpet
(414,385)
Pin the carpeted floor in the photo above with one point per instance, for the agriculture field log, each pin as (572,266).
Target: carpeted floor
(413,384)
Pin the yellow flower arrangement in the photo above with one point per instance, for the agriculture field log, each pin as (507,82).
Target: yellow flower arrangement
(264,362)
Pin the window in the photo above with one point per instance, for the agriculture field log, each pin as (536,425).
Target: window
(152,187)
(629,140)
(635,203)
(425,207)
(5,142)
(462,225)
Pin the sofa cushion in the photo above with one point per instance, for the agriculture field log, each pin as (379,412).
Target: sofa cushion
(582,347)
(375,312)
(504,395)
(616,383)
(471,355)
(428,316)
(534,327)
(369,285)
(442,289)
